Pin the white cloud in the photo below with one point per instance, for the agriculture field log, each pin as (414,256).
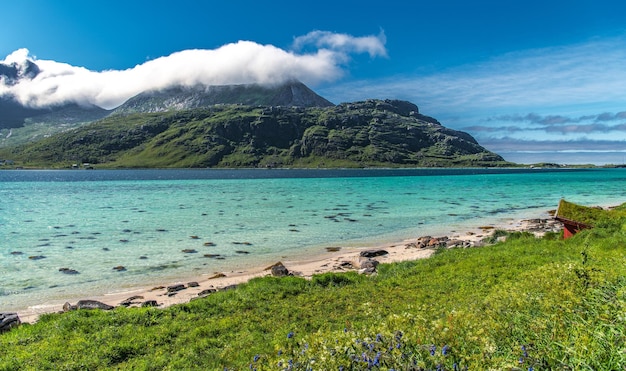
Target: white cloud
(243,62)
(373,45)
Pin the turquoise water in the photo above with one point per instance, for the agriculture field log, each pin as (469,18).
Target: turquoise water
(159,224)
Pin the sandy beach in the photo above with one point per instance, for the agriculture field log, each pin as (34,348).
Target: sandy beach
(340,259)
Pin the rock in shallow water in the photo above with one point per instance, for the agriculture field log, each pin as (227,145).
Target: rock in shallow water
(68,271)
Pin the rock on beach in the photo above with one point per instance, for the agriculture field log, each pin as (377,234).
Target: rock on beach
(8,321)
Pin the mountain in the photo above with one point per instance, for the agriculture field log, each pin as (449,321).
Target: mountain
(48,120)
(360,134)
(23,124)
(289,94)
(20,124)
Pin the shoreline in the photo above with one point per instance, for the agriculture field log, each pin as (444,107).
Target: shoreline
(342,260)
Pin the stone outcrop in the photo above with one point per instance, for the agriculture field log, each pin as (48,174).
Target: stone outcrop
(87,304)
(8,321)
(279,270)
(373,253)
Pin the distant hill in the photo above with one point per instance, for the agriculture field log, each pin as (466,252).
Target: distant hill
(177,98)
(361,134)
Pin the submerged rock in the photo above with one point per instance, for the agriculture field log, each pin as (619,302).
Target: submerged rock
(68,271)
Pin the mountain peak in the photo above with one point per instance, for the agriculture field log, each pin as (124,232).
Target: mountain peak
(292,93)
(11,73)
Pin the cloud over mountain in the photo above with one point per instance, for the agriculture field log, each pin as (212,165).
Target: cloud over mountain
(322,58)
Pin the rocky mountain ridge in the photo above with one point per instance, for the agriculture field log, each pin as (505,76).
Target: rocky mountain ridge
(290,94)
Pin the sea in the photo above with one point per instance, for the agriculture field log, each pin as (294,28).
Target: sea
(72,234)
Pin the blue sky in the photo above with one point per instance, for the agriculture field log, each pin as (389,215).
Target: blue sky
(531,80)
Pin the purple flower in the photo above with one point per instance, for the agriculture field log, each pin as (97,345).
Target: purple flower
(445,350)
(290,335)
(256,358)
(377,359)
(433,349)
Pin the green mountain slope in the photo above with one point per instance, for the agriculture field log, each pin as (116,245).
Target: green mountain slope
(369,133)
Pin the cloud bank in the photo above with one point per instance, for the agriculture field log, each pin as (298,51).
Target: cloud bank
(243,62)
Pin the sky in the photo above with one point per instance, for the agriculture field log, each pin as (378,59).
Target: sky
(534,81)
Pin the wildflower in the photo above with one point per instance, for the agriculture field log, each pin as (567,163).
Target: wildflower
(280,352)
(433,349)
(445,349)
(455,367)
(377,359)
(524,350)
(290,335)
(256,358)
(379,338)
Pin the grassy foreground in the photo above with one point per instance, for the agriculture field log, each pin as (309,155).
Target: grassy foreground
(522,304)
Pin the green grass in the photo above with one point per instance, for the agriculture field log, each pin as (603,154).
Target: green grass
(542,303)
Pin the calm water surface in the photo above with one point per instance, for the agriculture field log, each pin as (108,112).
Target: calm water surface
(160,224)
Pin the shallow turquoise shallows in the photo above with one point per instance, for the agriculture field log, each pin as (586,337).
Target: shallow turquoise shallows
(160,224)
